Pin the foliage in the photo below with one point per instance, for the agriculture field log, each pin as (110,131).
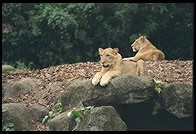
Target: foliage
(79,114)
(21,65)
(48,34)
(158,85)
(8,126)
(56,110)
(158,88)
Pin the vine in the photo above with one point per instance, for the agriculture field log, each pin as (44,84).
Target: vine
(158,88)
(8,126)
(79,114)
(56,110)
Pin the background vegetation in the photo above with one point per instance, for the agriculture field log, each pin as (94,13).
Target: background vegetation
(45,34)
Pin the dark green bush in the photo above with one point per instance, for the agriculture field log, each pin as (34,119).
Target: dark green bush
(56,33)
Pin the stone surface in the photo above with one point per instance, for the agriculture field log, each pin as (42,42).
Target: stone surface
(39,112)
(62,122)
(18,115)
(104,118)
(177,99)
(21,87)
(125,89)
(7,68)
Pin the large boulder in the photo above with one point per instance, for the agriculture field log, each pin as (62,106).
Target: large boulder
(21,87)
(126,89)
(104,118)
(177,99)
(39,112)
(136,96)
(19,115)
(62,122)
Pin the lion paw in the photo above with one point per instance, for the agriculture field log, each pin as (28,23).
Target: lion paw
(125,59)
(129,59)
(104,83)
(95,82)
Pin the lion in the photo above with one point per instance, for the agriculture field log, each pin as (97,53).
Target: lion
(113,65)
(146,50)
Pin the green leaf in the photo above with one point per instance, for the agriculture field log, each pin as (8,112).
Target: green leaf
(76,113)
(50,113)
(82,34)
(78,119)
(158,85)
(69,114)
(45,119)
(10,125)
(67,45)
(4,109)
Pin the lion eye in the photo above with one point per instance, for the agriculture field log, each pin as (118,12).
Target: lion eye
(107,55)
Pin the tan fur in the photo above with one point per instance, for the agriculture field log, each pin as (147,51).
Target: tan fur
(146,50)
(113,65)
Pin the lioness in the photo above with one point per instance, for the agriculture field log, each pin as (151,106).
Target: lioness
(113,65)
(146,50)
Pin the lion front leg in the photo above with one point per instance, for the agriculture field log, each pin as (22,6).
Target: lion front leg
(135,58)
(96,78)
(106,78)
(141,68)
(129,58)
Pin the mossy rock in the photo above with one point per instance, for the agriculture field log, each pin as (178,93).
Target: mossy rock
(7,68)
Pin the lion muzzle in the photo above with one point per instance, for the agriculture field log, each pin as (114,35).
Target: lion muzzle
(104,65)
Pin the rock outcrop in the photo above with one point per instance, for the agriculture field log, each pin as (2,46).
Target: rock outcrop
(39,112)
(21,87)
(126,103)
(19,115)
(177,99)
(121,90)
(103,118)
(62,122)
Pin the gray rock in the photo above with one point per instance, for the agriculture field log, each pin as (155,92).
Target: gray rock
(125,89)
(23,86)
(104,118)
(39,112)
(3,90)
(7,68)
(177,99)
(19,115)
(62,122)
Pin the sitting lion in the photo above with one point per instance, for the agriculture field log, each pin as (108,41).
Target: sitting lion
(113,65)
(146,50)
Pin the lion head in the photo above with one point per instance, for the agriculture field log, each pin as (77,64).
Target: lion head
(108,57)
(138,42)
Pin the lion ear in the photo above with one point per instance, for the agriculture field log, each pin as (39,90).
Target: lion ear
(100,50)
(116,50)
(143,39)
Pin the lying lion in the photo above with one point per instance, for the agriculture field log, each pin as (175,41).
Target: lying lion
(146,50)
(113,65)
